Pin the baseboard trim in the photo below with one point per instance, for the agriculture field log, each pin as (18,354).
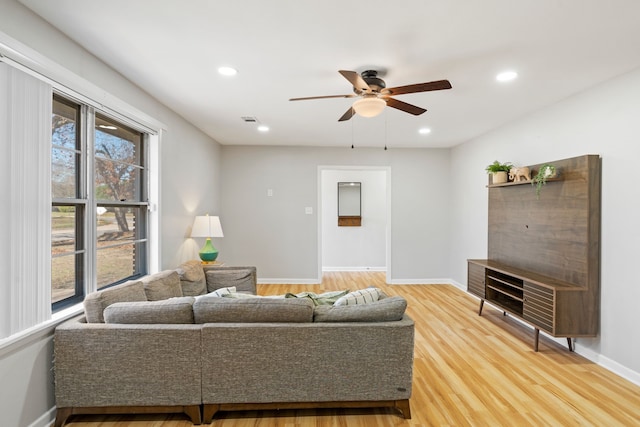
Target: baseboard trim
(423,282)
(268,281)
(614,367)
(330,269)
(46,419)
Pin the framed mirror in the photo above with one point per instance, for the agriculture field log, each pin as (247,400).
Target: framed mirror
(349,204)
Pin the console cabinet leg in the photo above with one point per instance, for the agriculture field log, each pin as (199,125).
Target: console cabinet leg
(537,338)
(570,343)
(481,305)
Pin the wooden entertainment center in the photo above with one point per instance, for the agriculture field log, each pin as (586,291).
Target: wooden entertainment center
(543,263)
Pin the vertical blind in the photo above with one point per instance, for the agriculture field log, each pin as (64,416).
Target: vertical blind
(25,235)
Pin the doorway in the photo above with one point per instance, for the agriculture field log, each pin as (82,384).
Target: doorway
(355,248)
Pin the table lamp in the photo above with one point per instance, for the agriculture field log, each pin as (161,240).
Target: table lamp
(207,226)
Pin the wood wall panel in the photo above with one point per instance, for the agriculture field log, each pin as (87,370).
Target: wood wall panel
(552,234)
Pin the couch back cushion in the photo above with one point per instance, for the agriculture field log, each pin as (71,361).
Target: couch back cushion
(383,310)
(96,302)
(242,278)
(192,278)
(169,311)
(213,309)
(162,285)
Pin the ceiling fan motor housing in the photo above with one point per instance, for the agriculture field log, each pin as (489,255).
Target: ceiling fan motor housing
(371,78)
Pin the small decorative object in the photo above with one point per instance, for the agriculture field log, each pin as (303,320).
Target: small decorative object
(207,226)
(498,172)
(545,172)
(520,174)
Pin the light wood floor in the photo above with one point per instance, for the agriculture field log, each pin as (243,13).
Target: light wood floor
(468,371)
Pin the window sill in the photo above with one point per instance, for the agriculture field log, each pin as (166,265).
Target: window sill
(23,338)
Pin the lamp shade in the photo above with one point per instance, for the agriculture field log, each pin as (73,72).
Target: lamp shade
(369,107)
(206,226)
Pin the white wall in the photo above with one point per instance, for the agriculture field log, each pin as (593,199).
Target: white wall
(437,223)
(354,248)
(603,120)
(189,159)
(274,233)
(189,162)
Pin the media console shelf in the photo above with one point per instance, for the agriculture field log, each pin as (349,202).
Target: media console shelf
(542,302)
(543,263)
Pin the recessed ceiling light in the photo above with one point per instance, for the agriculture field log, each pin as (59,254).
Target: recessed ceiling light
(227,71)
(506,76)
(424,131)
(263,128)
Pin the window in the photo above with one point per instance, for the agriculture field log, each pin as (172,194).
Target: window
(68,203)
(99,202)
(121,197)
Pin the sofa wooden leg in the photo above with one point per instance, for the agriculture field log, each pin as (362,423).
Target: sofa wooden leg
(61,416)
(404,407)
(209,411)
(193,412)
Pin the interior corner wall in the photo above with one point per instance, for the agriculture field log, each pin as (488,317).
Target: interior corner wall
(274,233)
(190,177)
(604,121)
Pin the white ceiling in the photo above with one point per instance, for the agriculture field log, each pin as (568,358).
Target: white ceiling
(294,48)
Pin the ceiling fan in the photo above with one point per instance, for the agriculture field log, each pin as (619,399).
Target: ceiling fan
(374,94)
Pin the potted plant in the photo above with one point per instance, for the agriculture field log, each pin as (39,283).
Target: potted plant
(545,172)
(498,172)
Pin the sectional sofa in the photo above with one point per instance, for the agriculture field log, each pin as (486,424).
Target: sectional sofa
(171,342)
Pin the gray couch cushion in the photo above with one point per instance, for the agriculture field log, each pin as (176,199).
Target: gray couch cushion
(192,278)
(212,309)
(162,285)
(243,278)
(173,310)
(383,310)
(96,302)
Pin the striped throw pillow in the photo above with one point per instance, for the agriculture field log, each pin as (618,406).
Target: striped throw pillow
(362,296)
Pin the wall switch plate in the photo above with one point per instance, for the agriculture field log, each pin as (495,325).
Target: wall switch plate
(269,192)
(308,210)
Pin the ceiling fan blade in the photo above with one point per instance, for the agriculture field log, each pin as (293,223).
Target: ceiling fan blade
(356,80)
(351,95)
(418,87)
(403,106)
(346,116)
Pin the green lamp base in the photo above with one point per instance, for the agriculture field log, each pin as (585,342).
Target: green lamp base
(208,253)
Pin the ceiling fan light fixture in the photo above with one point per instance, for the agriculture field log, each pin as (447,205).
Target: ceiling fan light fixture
(369,107)
(227,71)
(507,76)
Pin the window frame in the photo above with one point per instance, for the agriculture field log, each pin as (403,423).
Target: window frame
(86,203)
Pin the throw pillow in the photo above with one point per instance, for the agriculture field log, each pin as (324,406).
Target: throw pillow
(162,285)
(96,302)
(192,278)
(223,292)
(362,296)
(169,311)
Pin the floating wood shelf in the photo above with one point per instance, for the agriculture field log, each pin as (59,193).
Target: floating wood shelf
(349,221)
(511,183)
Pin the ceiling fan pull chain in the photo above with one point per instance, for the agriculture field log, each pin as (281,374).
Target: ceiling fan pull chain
(386,115)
